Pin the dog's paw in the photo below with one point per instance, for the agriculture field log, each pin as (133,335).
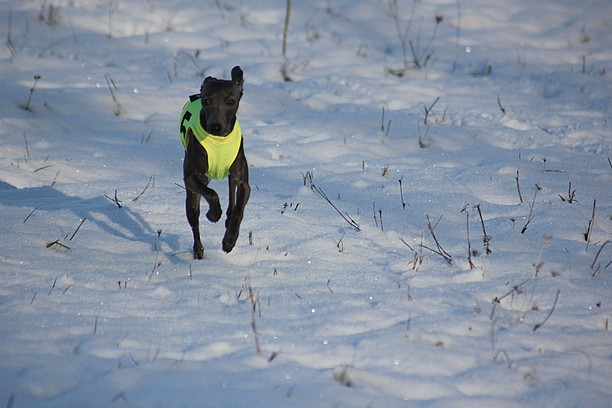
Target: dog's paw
(229,241)
(214,214)
(198,251)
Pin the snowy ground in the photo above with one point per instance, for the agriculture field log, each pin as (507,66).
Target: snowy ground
(102,306)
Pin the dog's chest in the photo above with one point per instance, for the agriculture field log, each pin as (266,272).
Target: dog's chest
(221,150)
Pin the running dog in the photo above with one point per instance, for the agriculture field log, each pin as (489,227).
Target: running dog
(213,145)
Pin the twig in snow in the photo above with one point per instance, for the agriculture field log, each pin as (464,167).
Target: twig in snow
(55,178)
(318,190)
(27,105)
(596,256)
(340,244)
(515,288)
(374,213)
(285,66)
(469,244)
(11,400)
(115,200)
(518,187)
(29,215)
(149,183)
(27,151)
(286,27)
(52,286)
(537,326)
(112,87)
(77,230)
(57,244)
(157,263)
(531,206)
(587,234)
(253,299)
(422,143)
(427,110)
(9,40)
(417,257)
(485,237)
(501,108)
(571,194)
(404,204)
(458,23)
(440,251)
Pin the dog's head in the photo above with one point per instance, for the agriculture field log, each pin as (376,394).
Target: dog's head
(220,99)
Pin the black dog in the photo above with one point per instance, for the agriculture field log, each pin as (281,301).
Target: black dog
(212,139)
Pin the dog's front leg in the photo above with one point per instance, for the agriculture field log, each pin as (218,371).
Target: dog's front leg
(235,219)
(239,194)
(192,207)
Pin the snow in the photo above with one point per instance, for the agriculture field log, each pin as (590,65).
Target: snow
(102,305)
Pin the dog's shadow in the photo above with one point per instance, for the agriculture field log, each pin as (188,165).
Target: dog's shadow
(119,222)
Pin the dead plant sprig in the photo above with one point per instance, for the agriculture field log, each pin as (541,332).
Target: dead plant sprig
(469,244)
(255,305)
(30,214)
(150,183)
(402,34)
(404,203)
(417,256)
(515,289)
(286,27)
(428,109)
(501,108)
(28,103)
(319,191)
(382,123)
(77,229)
(589,230)
(440,251)
(374,213)
(518,187)
(531,206)
(112,87)
(422,143)
(9,39)
(340,244)
(597,256)
(285,66)
(571,194)
(485,238)
(550,312)
(115,200)
(27,150)
(57,244)
(157,263)
(54,181)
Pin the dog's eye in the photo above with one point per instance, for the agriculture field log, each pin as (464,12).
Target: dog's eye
(205,102)
(231,102)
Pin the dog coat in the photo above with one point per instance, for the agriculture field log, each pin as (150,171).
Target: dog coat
(222,150)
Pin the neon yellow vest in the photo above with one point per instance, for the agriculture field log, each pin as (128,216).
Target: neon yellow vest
(222,150)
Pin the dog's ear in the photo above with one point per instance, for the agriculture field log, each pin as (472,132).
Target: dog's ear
(208,79)
(237,76)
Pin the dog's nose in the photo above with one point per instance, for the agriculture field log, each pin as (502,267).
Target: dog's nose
(215,128)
